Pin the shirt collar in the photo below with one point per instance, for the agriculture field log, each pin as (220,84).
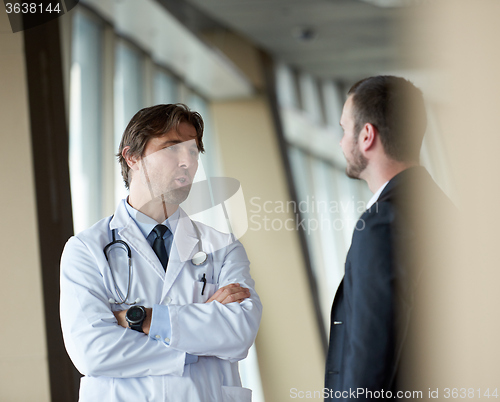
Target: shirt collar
(375,196)
(146,223)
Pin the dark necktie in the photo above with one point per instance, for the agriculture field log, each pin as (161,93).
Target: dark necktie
(159,245)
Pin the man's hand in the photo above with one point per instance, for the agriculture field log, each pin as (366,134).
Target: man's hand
(120,317)
(230,293)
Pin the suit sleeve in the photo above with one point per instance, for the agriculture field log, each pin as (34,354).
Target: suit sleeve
(97,345)
(370,296)
(213,329)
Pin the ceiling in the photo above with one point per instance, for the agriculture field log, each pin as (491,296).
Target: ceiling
(340,39)
(145,24)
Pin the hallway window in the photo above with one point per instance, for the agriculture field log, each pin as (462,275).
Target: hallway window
(86,120)
(129,89)
(166,89)
(329,203)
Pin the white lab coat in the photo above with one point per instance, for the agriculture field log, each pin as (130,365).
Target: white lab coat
(124,365)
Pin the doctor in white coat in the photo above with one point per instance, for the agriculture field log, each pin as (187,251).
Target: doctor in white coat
(146,332)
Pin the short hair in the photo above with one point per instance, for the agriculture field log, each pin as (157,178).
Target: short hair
(395,107)
(152,122)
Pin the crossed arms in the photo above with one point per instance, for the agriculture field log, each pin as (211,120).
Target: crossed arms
(99,346)
(231,293)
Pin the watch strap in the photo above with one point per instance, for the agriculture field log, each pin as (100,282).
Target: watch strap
(136,327)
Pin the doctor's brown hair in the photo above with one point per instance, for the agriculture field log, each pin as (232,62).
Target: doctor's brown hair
(152,122)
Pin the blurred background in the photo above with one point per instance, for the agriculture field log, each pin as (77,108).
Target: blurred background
(269,78)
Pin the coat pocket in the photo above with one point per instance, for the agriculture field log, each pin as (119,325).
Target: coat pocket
(236,394)
(203,291)
(95,389)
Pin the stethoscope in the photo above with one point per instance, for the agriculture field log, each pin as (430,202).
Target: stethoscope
(200,258)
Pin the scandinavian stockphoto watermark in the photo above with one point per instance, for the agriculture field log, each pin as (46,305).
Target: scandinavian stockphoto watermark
(309,215)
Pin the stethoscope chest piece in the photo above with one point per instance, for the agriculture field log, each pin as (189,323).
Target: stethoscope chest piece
(199,258)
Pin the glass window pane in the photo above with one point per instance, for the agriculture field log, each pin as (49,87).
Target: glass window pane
(128,98)
(165,88)
(311,102)
(332,99)
(210,158)
(86,121)
(286,87)
(301,172)
(331,238)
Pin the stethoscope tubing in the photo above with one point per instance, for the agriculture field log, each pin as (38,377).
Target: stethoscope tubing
(129,255)
(200,258)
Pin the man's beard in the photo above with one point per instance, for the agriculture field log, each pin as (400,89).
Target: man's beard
(168,193)
(177,195)
(358,164)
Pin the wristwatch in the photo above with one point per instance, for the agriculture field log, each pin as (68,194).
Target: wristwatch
(135,317)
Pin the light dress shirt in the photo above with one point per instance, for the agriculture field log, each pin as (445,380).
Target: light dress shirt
(160,320)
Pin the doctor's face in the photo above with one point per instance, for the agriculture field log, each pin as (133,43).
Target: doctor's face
(356,161)
(169,164)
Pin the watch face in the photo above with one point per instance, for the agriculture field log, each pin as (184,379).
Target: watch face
(135,314)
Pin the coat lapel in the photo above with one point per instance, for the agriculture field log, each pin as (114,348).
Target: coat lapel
(132,235)
(183,249)
(183,246)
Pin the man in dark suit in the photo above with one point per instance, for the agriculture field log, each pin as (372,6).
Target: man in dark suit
(384,121)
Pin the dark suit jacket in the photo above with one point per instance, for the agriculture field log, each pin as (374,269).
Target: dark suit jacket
(372,307)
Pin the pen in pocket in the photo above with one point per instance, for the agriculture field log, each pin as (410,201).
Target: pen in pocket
(204,280)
